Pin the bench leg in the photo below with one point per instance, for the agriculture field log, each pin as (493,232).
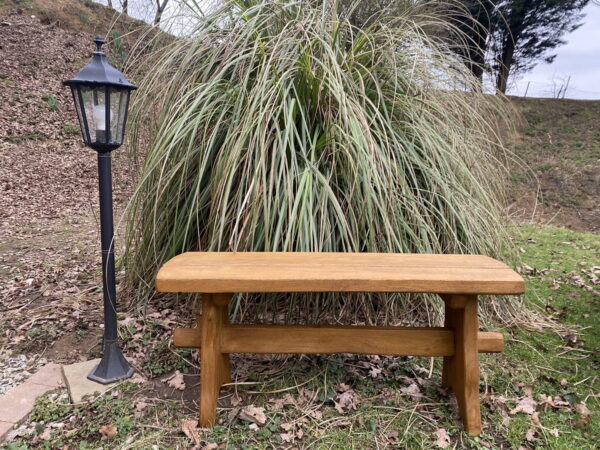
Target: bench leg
(223,307)
(461,371)
(213,362)
(447,368)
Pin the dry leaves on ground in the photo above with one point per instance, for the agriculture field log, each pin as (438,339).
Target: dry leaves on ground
(525,405)
(292,431)
(253,414)
(443,439)
(176,381)
(530,434)
(585,414)
(191,430)
(108,431)
(346,400)
(412,391)
(280,403)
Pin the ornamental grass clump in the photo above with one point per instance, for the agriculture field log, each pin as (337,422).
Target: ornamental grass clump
(280,126)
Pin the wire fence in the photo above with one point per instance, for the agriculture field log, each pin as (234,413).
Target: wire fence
(558,87)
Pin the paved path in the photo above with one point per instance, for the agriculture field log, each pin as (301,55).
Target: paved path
(17,403)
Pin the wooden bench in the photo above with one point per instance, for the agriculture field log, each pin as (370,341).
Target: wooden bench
(459,279)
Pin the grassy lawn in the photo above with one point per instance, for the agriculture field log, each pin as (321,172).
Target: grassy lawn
(538,393)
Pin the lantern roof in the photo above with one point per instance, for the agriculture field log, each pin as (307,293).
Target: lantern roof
(99,72)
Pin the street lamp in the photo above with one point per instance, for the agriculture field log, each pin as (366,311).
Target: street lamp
(101,95)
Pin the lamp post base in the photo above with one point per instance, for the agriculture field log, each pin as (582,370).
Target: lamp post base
(113,366)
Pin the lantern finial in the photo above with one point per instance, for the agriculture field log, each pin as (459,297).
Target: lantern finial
(99,43)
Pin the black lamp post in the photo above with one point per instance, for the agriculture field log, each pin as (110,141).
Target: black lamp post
(101,95)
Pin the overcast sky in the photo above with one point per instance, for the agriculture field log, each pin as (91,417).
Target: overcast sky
(578,59)
(577,62)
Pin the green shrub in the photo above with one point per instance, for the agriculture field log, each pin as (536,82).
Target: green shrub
(279,126)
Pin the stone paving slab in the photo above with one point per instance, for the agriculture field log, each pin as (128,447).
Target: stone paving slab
(49,375)
(77,382)
(5,428)
(17,403)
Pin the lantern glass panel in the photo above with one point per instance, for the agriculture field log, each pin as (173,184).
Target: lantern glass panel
(118,107)
(80,117)
(94,101)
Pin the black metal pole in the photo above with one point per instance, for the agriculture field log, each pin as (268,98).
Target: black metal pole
(113,365)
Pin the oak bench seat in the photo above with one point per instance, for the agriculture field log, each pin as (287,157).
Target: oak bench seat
(459,279)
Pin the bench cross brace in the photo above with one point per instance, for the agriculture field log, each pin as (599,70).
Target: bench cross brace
(459,342)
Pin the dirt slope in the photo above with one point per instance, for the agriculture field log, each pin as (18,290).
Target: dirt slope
(558,180)
(49,228)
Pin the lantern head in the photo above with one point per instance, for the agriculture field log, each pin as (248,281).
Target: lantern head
(101,96)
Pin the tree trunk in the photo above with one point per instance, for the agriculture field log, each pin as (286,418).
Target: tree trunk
(110,4)
(160,7)
(509,44)
(125,6)
(508,50)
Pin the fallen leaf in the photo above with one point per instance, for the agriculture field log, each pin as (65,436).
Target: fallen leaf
(343,387)
(582,409)
(126,321)
(108,431)
(526,269)
(346,401)
(306,396)
(530,434)
(253,414)
(585,413)
(176,381)
(375,372)
(388,395)
(555,402)
(526,405)
(191,430)
(280,403)
(443,439)
(581,422)
(393,435)
(412,391)
(293,431)
(235,399)
(140,405)
(564,382)
(535,419)
(315,414)
(287,437)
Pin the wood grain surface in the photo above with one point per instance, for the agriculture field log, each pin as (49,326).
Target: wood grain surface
(220,272)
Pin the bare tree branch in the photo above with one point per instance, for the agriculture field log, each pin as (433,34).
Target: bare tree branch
(160,7)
